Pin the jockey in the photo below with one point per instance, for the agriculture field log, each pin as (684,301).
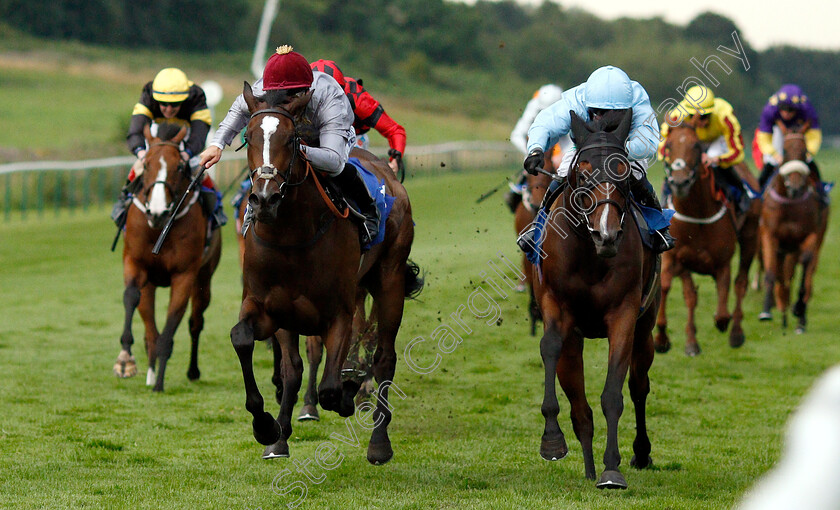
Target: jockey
(287,73)
(368,113)
(171,97)
(790,107)
(608,88)
(716,125)
(544,97)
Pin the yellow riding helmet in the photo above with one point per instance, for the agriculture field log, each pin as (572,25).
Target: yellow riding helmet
(699,99)
(171,86)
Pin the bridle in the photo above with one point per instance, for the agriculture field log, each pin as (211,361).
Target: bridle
(576,190)
(679,165)
(182,169)
(268,171)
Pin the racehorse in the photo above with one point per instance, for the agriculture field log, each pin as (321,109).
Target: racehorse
(596,280)
(704,226)
(301,270)
(186,261)
(793,225)
(535,189)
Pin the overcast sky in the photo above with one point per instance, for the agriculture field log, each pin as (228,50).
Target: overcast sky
(804,23)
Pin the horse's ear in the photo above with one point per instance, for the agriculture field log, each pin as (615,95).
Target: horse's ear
(248,95)
(181,134)
(579,128)
(623,128)
(147,132)
(296,105)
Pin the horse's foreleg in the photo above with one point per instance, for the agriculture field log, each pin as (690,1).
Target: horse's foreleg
(570,374)
(810,256)
(723,279)
(783,283)
(662,342)
(147,313)
(553,444)
(182,286)
(200,302)
(770,256)
(314,352)
(639,385)
(336,343)
(292,373)
(266,429)
(126,365)
(388,306)
(692,348)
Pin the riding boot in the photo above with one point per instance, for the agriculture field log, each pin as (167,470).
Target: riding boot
(351,183)
(526,240)
(212,207)
(728,176)
(815,170)
(644,195)
(766,173)
(514,195)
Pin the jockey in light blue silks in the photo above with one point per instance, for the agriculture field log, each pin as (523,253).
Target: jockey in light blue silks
(608,88)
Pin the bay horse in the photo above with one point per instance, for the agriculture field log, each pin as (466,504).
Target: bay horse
(597,280)
(186,262)
(706,234)
(532,196)
(302,267)
(793,225)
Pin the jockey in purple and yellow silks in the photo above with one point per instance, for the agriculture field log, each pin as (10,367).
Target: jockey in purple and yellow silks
(790,107)
(719,131)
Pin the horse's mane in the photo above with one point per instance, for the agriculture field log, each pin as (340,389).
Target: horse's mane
(167,130)
(280,97)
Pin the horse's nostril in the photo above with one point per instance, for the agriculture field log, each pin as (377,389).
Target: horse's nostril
(274,199)
(253,200)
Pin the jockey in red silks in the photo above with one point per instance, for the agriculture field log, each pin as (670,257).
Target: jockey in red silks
(368,113)
(171,98)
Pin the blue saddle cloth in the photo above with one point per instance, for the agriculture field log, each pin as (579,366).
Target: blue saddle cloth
(652,220)
(376,187)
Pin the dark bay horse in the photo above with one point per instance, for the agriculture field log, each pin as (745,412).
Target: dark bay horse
(301,270)
(597,280)
(706,234)
(535,189)
(793,225)
(185,263)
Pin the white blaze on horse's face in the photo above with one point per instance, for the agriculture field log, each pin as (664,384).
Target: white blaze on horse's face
(604,225)
(157,201)
(269,127)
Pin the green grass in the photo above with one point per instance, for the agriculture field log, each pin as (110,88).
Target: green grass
(465,436)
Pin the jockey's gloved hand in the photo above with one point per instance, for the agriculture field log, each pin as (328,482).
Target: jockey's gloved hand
(534,160)
(395,154)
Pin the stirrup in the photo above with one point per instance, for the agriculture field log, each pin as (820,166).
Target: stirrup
(664,240)
(526,240)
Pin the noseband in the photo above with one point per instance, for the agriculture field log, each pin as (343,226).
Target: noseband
(678,165)
(268,171)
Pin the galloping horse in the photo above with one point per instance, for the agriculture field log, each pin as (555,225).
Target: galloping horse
(526,211)
(597,280)
(186,262)
(706,236)
(301,271)
(793,225)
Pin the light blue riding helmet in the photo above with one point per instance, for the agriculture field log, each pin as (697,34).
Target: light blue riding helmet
(609,88)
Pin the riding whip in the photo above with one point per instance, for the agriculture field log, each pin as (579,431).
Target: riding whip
(169,223)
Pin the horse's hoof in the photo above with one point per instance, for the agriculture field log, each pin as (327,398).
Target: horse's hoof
(193,375)
(765,316)
(611,480)
(692,350)
(150,377)
(634,462)
(799,330)
(126,365)
(799,309)
(662,347)
(736,339)
(330,399)
(266,429)
(553,449)
(277,450)
(379,453)
(309,413)
(721,323)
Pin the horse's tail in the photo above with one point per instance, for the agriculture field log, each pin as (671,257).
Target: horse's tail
(414,281)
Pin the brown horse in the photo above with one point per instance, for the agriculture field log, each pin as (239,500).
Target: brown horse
(186,262)
(526,211)
(301,271)
(706,235)
(793,225)
(596,280)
